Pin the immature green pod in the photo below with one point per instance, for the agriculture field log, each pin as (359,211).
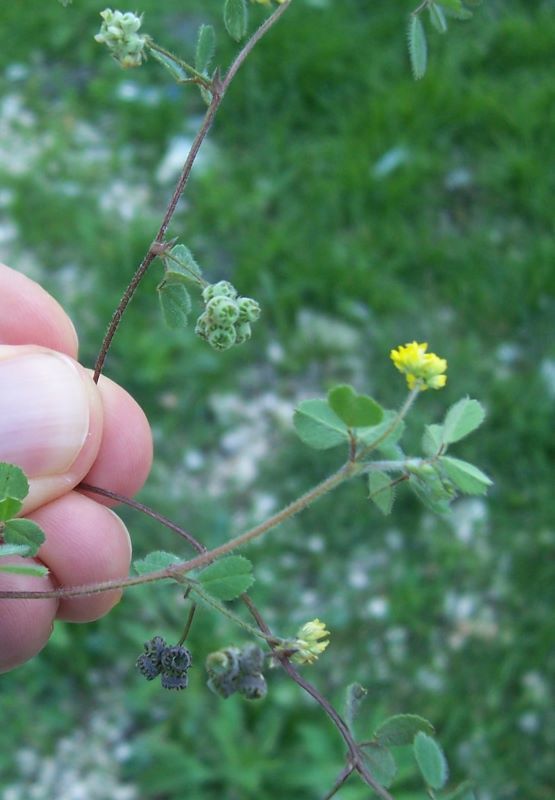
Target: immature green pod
(220,289)
(242,333)
(202,328)
(253,687)
(222,337)
(251,659)
(223,310)
(249,309)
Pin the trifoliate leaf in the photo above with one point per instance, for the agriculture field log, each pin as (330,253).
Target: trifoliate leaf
(206,45)
(401,729)
(175,303)
(381,492)
(381,763)
(174,68)
(356,695)
(24,532)
(466,477)
(181,267)
(437,18)
(227,578)
(431,760)
(154,561)
(461,419)
(375,434)
(236,18)
(432,440)
(356,410)
(318,426)
(13,485)
(418,49)
(34,570)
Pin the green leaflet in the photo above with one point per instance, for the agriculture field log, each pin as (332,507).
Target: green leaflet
(227,578)
(418,48)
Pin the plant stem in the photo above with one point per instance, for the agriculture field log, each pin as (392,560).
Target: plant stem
(218,89)
(340,781)
(183,567)
(86,487)
(403,411)
(197,77)
(356,758)
(211,601)
(188,624)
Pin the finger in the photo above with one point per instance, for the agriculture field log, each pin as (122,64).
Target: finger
(85,543)
(31,316)
(125,455)
(25,625)
(50,419)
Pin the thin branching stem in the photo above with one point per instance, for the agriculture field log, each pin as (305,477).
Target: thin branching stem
(204,558)
(120,498)
(218,89)
(341,779)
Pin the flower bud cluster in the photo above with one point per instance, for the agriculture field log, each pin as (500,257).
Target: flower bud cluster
(233,670)
(171,662)
(312,639)
(119,32)
(227,318)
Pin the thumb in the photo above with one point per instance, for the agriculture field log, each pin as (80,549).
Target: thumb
(50,419)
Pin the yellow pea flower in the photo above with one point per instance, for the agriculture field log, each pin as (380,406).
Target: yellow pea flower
(423,370)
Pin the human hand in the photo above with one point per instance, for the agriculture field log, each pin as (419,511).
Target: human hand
(61,429)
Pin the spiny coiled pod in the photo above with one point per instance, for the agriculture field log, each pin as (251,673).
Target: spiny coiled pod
(149,663)
(242,332)
(203,326)
(232,670)
(253,687)
(174,681)
(176,659)
(220,289)
(251,659)
(249,309)
(175,662)
(223,310)
(224,662)
(221,337)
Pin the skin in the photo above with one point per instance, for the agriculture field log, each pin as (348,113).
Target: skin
(85,540)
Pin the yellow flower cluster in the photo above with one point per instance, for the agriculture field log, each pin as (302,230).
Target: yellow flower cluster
(423,370)
(311,641)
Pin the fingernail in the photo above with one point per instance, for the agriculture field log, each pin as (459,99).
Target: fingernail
(44,412)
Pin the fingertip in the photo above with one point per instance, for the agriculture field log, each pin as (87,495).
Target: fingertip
(85,543)
(25,625)
(32,316)
(125,455)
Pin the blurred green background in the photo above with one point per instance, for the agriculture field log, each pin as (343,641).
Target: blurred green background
(363,210)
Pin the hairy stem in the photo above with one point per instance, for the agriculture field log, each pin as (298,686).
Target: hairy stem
(183,567)
(149,512)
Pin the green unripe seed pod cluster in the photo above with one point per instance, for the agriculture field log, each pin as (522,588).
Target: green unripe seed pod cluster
(233,670)
(227,318)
